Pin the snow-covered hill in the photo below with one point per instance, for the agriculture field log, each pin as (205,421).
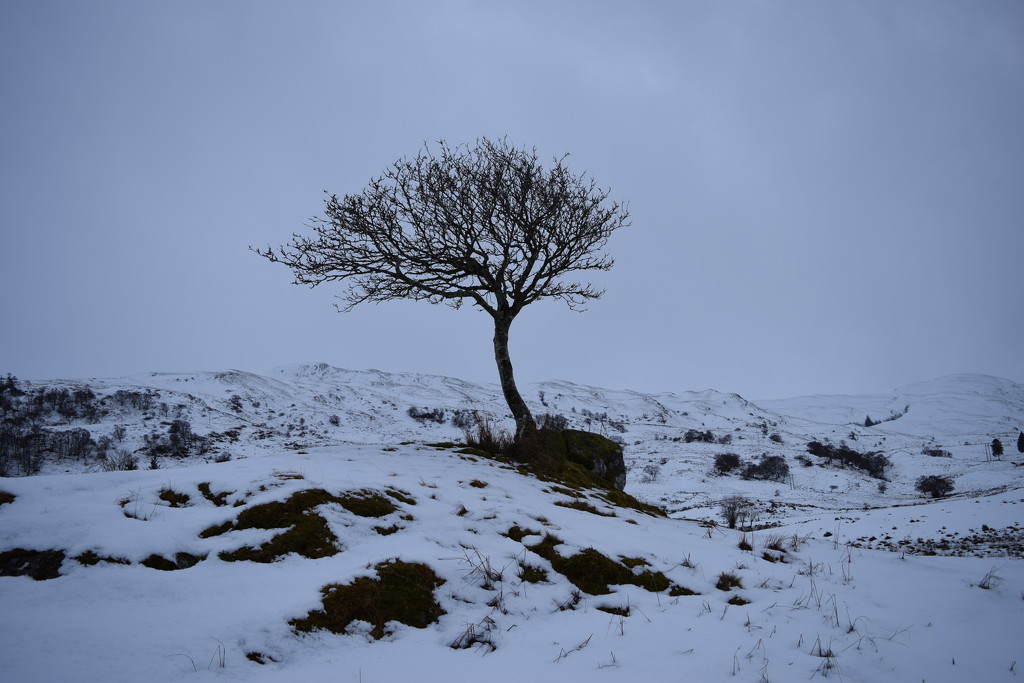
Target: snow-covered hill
(843,574)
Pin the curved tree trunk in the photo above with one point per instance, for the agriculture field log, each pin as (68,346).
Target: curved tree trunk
(520,411)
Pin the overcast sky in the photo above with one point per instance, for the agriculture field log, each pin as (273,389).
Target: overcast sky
(826,197)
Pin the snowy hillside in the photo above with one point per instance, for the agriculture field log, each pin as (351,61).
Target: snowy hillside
(274,493)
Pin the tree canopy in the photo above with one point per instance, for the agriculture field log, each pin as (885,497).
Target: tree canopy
(485,223)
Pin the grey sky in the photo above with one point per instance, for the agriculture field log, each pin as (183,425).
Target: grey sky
(826,197)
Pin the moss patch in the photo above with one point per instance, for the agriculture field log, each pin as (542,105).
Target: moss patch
(6,497)
(307,532)
(259,657)
(402,592)
(400,495)
(366,504)
(216,530)
(180,561)
(309,536)
(633,562)
(529,573)
(592,572)
(517,534)
(173,498)
(583,506)
(218,499)
(38,564)
(89,559)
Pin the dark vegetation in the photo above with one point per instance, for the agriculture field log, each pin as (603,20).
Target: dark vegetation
(726,462)
(593,573)
(38,564)
(180,561)
(37,425)
(738,511)
(871,462)
(935,485)
(768,468)
(577,459)
(894,415)
(306,532)
(402,592)
(482,223)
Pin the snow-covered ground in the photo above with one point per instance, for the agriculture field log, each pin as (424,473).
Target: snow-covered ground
(868,582)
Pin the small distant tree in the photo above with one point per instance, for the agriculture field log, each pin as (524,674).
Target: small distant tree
(935,485)
(1020,442)
(997,448)
(737,510)
(484,223)
(726,462)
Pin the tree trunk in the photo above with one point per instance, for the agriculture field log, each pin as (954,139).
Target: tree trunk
(520,411)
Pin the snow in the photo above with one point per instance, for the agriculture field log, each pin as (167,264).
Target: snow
(883,614)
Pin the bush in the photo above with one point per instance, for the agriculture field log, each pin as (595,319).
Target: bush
(997,448)
(726,462)
(553,421)
(873,463)
(486,437)
(120,460)
(651,473)
(936,452)
(692,435)
(737,510)
(426,414)
(464,419)
(770,468)
(935,485)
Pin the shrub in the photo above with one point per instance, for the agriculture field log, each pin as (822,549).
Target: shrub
(464,419)
(726,462)
(770,468)
(736,510)
(651,473)
(426,414)
(997,448)
(935,485)
(553,422)
(936,452)
(122,459)
(483,435)
(873,463)
(692,435)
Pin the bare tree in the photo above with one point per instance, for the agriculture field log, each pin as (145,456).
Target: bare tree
(484,223)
